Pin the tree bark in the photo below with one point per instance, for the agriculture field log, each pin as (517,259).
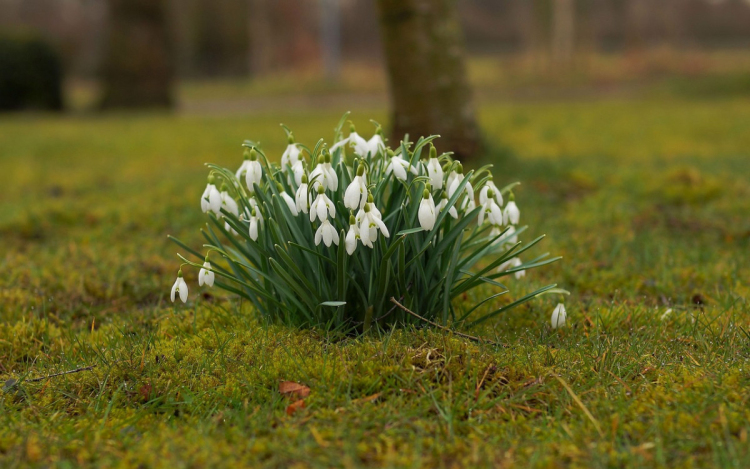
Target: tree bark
(138,70)
(430,93)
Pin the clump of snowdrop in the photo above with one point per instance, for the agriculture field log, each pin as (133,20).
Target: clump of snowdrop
(368,220)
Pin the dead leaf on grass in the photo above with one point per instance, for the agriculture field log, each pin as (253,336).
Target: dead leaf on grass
(292,389)
(295,406)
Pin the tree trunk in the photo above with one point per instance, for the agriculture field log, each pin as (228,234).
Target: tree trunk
(429,90)
(138,70)
(563,31)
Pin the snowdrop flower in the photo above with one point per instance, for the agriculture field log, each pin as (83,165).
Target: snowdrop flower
(372,207)
(490,186)
(327,233)
(427,212)
(444,203)
(288,199)
(298,169)
(240,174)
(398,166)
(458,177)
(211,198)
(360,145)
(291,154)
(369,225)
(180,287)
(356,194)
(512,264)
(559,315)
(491,210)
(376,143)
(322,206)
(254,171)
(255,222)
(227,202)
(434,170)
(511,213)
(206,275)
(303,197)
(324,174)
(352,236)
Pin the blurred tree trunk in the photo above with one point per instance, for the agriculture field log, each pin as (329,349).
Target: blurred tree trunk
(137,70)
(563,31)
(260,55)
(430,93)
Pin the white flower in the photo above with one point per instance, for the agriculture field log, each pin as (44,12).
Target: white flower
(398,166)
(512,264)
(254,172)
(511,214)
(303,197)
(211,198)
(444,203)
(493,211)
(324,174)
(435,172)
(559,315)
(361,146)
(180,287)
(289,202)
(375,144)
(468,203)
(427,212)
(356,194)
(369,225)
(298,169)
(240,174)
(327,233)
(228,203)
(290,156)
(351,236)
(485,189)
(206,275)
(255,222)
(322,206)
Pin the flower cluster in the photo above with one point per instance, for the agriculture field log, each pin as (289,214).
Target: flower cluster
(279,228)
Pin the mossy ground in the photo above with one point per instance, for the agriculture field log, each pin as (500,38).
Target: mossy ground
(647,200)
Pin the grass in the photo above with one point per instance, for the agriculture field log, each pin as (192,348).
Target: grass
(647,200)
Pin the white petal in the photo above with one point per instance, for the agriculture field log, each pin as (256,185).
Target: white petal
(426,215)
(290,203)
(559,315)
(399,171)
(352,196)
(327,236)
(351,241)
(214,200)
(381,226)
(183,290)
(453,212)
(254,229)
(321,208)
(319,234)
(174,289)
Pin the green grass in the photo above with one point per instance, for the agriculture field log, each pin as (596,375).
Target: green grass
(647,201)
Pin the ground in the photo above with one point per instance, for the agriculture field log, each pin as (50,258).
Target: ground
(646,198)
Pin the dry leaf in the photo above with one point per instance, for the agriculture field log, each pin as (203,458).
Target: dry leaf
(295,406)
(367,399)
(294,389)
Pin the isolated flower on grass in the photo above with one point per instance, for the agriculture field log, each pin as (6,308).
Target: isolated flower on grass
(559,315)
(180,287)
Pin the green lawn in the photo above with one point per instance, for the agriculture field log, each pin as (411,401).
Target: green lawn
(647,200)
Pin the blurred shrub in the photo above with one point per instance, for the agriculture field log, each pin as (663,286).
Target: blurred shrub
(30,73)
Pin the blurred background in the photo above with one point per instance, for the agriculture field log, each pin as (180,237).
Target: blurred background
(223,55)
(626,120)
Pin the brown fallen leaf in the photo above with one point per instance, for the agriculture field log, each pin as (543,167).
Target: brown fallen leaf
(366,399)
(293,389)
(295,406)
